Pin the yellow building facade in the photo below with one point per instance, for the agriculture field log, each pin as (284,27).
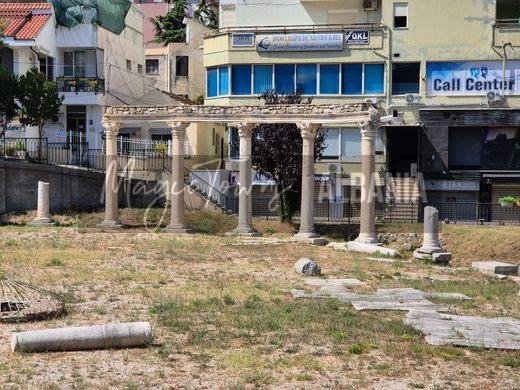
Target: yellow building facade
(447,71)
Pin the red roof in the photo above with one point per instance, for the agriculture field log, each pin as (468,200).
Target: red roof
(25,20)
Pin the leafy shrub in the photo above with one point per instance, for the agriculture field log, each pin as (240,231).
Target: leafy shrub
(508,199)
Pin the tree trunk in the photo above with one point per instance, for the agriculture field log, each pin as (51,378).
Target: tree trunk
(40,133)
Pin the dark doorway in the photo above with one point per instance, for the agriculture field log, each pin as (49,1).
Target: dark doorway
(76,119)
(402,149)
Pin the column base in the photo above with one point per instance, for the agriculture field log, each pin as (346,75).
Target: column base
(107,224)
(244,232)
(177,229)
(310,238)
(368,238)
(42,222)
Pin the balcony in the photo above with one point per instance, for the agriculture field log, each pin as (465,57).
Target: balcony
(81,84)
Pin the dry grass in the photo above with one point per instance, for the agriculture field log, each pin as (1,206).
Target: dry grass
(222,317)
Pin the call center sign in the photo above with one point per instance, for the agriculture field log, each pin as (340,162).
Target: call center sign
(471,78)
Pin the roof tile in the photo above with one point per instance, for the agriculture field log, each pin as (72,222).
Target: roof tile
(22,22)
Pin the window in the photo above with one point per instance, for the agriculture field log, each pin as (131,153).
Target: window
(241,80)
(331,143)
(128,65)
(374,78)
(352,79)
(405,78)
(47,67)
(351,144)
(400,15)
(223,79)
(74,63)
(212,82)
(306,78)
(217,81)
(152,66)
(284,78)
(329,79)
(140,68)
(508,10)
(181,67)
(263,78)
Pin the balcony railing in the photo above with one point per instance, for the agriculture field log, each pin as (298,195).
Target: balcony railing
(81,84)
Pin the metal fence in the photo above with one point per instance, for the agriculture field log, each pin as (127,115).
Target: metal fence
(133,154)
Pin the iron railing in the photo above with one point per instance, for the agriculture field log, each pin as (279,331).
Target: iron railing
(80,84)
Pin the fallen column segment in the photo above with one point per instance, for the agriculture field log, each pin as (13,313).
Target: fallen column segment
(133,334)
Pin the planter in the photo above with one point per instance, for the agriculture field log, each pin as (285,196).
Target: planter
(506,204)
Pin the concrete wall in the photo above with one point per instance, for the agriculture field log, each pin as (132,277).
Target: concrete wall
(69,188)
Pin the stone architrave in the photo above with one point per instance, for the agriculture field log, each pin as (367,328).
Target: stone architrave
(177,186)
(431,247)
(43,217)
(111,220)
(306,232)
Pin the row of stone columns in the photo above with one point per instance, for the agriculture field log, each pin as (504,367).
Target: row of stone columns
(245,227)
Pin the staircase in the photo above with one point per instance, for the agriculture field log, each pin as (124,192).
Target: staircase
(402,190)
(195,184)
(402,199)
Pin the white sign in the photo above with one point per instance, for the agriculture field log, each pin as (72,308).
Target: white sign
(471,78)
(357,37)
(300,42)
(243,40)
(451,185)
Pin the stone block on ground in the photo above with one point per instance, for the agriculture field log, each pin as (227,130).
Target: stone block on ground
(371,249)
(454,296)
(495,267)
(307,267)
(465,331)
(442,258)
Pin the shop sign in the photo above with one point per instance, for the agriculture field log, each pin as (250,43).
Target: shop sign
(242,39)
(357,37)
(471,78)
(451,185)
(300,42)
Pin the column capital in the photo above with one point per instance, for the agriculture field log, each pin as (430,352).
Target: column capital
(178,128)
(370,126)
(245,129)
(308,129)
(367,129)
(111,128)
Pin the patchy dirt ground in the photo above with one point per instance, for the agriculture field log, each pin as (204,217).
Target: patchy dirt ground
(223,319)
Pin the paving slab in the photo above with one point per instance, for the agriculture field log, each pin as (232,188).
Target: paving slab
(495,267)
(383,299)
(465,331)
(318,282)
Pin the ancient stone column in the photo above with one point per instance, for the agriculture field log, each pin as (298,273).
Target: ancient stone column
(306,232)
(431,243)
(245,201)
(367,232)
(111,221)
(43,217)
(177,185)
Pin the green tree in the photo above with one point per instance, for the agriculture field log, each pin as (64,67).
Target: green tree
(169,28)
(8,98)
(39,100)
(277,154)
(207,13)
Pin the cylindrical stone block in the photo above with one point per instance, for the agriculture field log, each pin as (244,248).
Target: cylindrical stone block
(43,201)
(124,335)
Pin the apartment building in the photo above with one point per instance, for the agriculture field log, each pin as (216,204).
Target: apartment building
(449,79)
(93,66)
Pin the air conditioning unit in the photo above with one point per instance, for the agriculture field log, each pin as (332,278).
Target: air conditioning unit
(494,97)
(335,169)
(412,98)
(370,5)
